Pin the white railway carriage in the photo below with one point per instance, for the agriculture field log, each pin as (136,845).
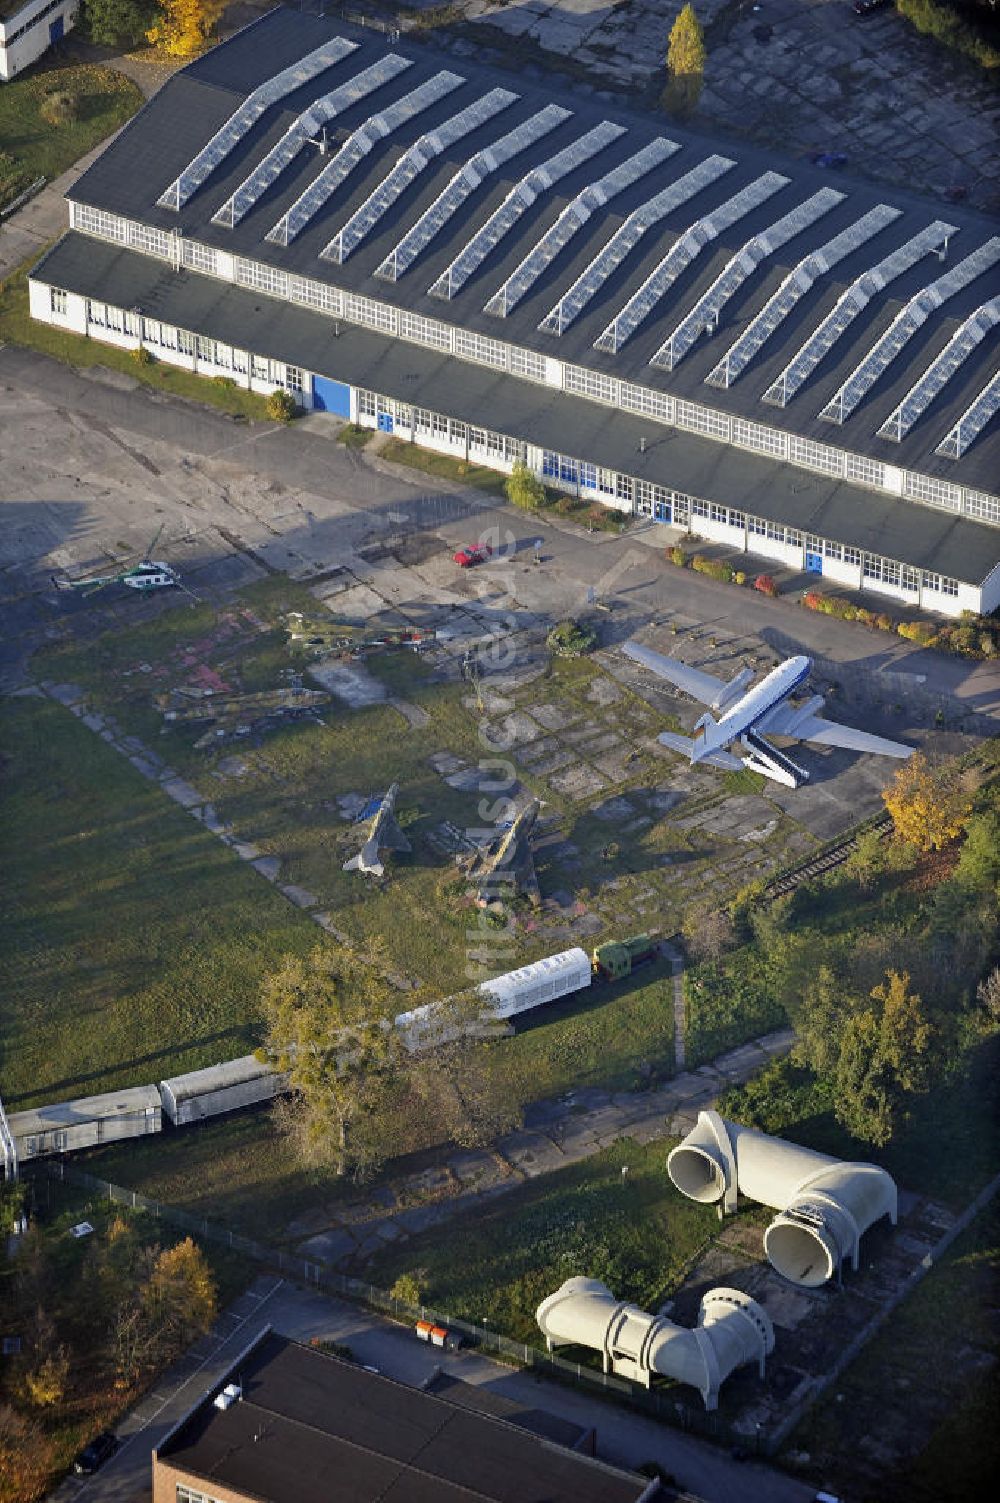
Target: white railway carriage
(219,1088)
(86,1122)
(542,981)
(505,996)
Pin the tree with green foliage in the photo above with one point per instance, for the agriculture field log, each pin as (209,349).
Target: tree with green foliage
(979,862)
(112,22)
(883,1058)
(524,489)
(868,860)
(328,1027)
(685,65)
(819,1021)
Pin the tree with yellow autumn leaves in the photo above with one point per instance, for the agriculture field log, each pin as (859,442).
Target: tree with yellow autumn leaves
(930,806)
(182,27)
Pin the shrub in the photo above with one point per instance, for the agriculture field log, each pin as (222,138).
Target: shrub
(61,107)
(739,577)
(407,1288)
(571,640)
(885,622)
(524,489)
(813,600)
(226,382)
(142,356)
(765,584)
(918,631)
(677,556)
(281,406)
(714,568)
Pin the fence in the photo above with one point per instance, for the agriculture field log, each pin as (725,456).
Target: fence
(663,1405)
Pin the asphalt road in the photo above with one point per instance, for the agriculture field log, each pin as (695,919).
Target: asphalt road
(622,1437)
(99,462)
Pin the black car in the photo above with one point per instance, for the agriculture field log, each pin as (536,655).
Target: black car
(95,1454)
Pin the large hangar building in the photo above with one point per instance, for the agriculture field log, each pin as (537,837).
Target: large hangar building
(772,356)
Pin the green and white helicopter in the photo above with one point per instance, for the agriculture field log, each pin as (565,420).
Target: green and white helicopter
(147,574)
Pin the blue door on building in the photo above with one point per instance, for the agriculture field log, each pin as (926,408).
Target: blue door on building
(814,563)
(331,396)
(662,511)
(55,30)
(385,422)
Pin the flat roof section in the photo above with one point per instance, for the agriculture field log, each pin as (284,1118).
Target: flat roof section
(904,530)
(156,146)
(308,1424)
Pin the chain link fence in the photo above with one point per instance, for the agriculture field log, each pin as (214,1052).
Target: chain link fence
(664,1404)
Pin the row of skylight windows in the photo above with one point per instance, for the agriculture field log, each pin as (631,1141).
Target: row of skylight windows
(500,355)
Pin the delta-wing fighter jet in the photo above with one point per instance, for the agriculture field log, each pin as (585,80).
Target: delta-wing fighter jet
(750,717)
(383,834)
(504,866)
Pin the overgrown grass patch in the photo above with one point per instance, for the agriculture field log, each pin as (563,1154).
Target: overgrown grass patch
(445,466)
(135,941)
(631,1231)
(728,1003)
(931,1377)
(106,99)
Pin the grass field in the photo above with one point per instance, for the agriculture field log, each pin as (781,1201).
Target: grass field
(931,1378)
(17,327)
(634,1233)
(35,149)
(134,940)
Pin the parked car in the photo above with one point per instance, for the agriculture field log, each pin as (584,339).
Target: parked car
(95,1454)
(472,554)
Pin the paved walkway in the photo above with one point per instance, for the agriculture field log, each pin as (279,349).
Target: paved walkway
(555,1134)
(626,1439)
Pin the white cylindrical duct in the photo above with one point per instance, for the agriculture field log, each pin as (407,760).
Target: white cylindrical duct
(732,1330)
(826,1205)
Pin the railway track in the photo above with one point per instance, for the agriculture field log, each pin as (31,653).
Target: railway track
(825,862)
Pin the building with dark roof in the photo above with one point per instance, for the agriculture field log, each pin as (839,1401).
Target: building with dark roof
(790,363)
(291,1424)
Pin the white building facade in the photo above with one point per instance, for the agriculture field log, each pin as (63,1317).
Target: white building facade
(207,275)
(26,31)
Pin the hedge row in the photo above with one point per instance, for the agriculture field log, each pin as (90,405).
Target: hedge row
(718,569)
(970,636)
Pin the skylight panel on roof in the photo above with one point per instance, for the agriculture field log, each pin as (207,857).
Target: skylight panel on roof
(704,316)
(903,327)
(795,286)
(249,112)
(937,375)
(409,167)
(972,422)
(354,150)
(573,218)
(518,201)
(627,237)
(642,302)
(464,183)
(303,130)
(851,303)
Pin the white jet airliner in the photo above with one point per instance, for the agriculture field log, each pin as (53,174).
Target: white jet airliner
(745,717)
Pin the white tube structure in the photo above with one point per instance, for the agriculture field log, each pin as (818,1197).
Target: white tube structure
(732,1330)
(825,1205)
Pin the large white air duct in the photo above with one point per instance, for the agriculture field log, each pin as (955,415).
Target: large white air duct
(825,1204)
(732,1330)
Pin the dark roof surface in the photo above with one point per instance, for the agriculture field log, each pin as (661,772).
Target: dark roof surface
(904,530)
(310,1426)
(159,142)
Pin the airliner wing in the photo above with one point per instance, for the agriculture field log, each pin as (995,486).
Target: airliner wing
(701,686)
(788,720)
